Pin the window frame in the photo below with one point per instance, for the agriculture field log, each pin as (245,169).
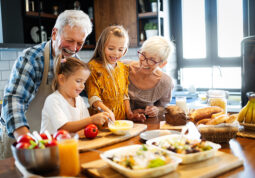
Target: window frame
(212,58)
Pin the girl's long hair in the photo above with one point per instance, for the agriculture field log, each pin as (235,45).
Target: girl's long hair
(99,53)
(67,67)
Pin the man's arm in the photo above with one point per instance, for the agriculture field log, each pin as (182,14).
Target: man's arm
(19,93)
(20,131)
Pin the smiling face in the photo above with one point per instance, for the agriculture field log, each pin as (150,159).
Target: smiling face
(69,42)
(71,86)
(115,48)
(146,66)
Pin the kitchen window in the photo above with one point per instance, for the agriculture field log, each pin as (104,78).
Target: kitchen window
(208,35)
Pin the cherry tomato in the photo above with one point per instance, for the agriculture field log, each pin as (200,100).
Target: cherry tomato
(61,134)
(25,138)
(23,145)
(91,131)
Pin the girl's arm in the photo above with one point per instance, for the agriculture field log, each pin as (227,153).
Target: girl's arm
(75,126)
(104,108)
(133,116)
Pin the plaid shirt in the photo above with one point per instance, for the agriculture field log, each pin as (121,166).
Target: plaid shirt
(23,85)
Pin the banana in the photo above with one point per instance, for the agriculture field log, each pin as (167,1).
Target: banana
(248,116)
(253,114)
(243,112)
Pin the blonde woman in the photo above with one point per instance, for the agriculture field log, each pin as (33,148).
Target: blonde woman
(149,87)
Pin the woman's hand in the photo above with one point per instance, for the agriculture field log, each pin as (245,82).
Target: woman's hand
(151,111)
(100,118)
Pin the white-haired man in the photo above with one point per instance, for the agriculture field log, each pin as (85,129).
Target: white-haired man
(30,80)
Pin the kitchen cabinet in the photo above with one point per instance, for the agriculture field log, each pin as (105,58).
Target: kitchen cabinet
(11,22)
(118,12)
(41,15)
(22,22)
(153,18)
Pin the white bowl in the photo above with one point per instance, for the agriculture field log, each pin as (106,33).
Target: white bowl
(120,127)
(186,158)
(147,172)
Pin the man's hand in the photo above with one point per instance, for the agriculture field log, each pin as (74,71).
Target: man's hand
(20,131)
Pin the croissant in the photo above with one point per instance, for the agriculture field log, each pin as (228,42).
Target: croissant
(203,113)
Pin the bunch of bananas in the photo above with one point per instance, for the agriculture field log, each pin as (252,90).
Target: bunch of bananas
(247,113)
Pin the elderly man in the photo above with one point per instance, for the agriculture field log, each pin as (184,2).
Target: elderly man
(30,80)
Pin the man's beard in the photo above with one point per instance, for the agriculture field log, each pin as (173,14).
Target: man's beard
(65,50)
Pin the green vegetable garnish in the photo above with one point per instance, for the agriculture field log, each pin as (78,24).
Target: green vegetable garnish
(156,163)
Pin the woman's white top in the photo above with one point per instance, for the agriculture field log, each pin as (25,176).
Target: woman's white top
(57,112)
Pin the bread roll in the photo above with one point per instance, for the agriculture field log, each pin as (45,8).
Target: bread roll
(218,120)
(175,115)
(232,118)
(203,121)
(203,113)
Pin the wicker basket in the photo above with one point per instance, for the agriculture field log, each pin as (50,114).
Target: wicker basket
(218,133)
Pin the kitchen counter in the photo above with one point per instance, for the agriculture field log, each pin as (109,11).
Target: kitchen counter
(240,147)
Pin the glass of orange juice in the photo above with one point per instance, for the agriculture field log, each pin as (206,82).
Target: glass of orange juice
(69,156)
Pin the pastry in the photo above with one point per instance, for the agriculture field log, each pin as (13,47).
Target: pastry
(232,118)
(203,121)
(218,120)
(203,113)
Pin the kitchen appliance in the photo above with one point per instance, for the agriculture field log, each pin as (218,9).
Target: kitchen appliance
(248,67)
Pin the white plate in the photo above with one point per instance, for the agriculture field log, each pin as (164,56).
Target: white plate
(149,172)
(147,135)
(186,158)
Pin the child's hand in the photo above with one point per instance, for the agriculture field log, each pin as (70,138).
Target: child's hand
(136,117)
(151,111)
(139,117)
(111,115)
(140,111)
(100,118)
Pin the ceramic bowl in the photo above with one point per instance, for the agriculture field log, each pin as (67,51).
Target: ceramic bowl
(120,127)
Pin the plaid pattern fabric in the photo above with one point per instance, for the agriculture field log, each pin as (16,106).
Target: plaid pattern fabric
(23,84)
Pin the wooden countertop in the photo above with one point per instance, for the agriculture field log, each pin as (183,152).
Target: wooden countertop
(240,147)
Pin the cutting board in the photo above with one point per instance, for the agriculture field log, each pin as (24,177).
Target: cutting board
(105,138)
(166,126)
(222,162)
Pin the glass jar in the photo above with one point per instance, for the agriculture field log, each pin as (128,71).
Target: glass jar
(218,98)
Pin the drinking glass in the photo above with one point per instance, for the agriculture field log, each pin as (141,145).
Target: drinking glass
(69,156)
(182,103)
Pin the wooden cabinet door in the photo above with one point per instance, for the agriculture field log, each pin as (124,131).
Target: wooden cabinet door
(120,12)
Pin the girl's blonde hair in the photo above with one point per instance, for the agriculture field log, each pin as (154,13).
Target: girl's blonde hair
(67,67)
(99,53)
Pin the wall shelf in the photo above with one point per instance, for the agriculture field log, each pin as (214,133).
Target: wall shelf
(147,15)
(42,14)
